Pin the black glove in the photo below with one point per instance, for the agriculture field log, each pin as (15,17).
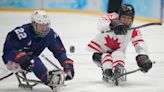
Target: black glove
(23,60)
(119,28)
(68,69)
(96,57)
(144,62)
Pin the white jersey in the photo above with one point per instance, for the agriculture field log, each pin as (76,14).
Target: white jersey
(110,42)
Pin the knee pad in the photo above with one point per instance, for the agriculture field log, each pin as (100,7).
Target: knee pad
(106,61)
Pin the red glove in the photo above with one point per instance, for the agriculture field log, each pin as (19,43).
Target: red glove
(23,60)
(69,69)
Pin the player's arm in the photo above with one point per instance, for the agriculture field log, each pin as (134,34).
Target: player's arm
(138,42)
(11,47)
(57,48)
(95,45)
(142,58)
(12,57)
(105,21)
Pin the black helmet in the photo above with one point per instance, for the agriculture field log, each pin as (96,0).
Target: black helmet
(126,9)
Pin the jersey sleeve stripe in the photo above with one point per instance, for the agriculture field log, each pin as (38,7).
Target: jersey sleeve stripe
(137,41)
(96,44)
(92,47)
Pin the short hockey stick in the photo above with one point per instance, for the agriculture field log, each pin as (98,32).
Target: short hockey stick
(51,62)
(145,25)
(6,76)
(126,73)
(141,26)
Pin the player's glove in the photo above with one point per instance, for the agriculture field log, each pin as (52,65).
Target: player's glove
(144,62)
(23,60)
(68,69)
(119,28)
(96,57)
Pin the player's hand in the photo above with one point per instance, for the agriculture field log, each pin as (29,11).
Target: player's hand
(14,67)
(144,62)
(23,60)
(68,69)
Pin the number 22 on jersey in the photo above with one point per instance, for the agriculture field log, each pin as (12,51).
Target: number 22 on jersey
(20,33)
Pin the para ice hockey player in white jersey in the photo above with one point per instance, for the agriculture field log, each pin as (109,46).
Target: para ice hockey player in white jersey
(110,44)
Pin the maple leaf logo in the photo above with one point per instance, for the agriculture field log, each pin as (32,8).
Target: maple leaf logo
(111,43)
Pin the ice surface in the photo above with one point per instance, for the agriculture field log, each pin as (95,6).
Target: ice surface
(78,30)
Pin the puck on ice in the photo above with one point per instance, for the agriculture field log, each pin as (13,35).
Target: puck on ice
(72,49)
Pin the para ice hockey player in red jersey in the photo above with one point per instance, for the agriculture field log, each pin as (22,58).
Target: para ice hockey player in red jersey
(110,44)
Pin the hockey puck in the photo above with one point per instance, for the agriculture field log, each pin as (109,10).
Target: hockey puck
(72,49)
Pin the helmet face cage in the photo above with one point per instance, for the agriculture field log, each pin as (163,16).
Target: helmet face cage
(127,10)
(40,17)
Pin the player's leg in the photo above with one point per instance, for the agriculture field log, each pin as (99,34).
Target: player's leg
(103,60)
(118,58)
(40,70)
(51,78)
(106,62)
(118,66)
